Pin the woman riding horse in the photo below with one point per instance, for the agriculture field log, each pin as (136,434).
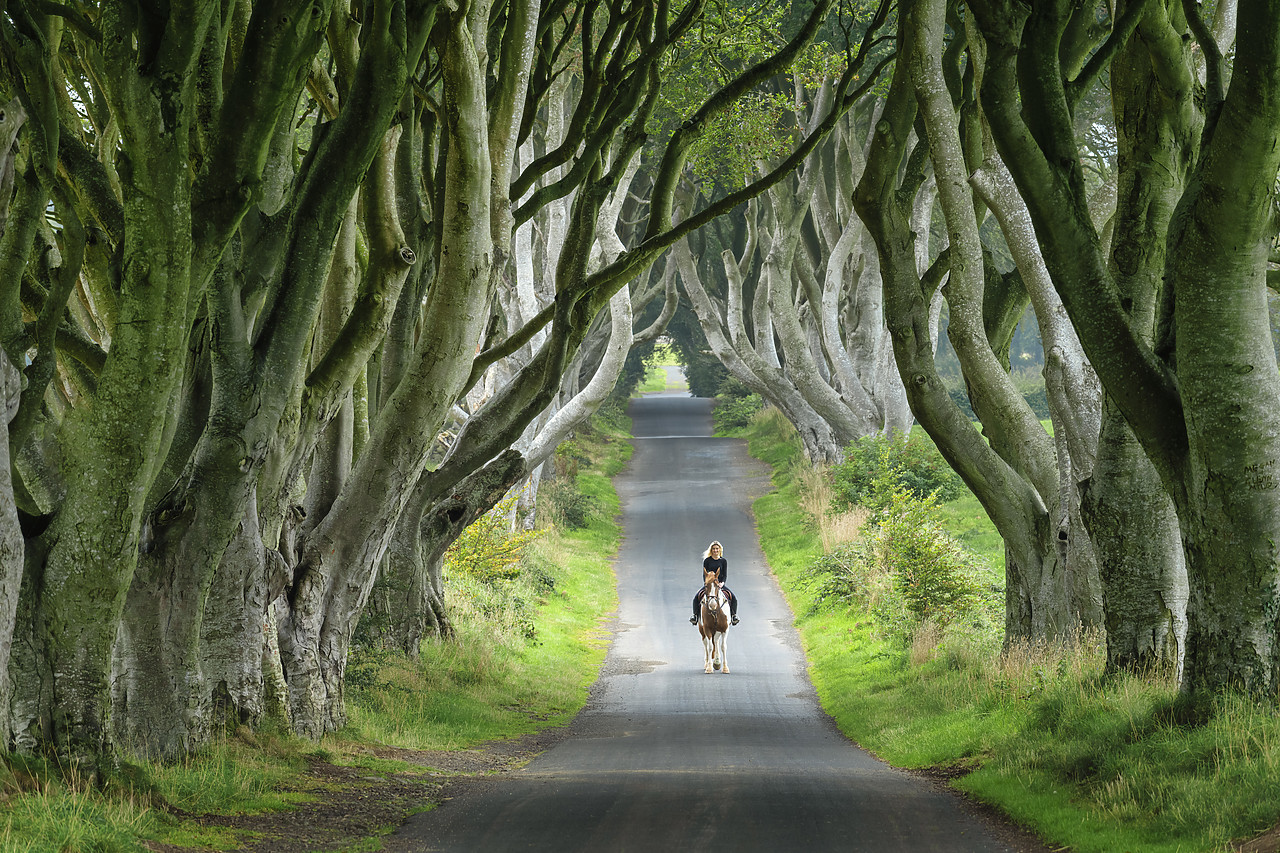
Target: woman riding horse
(714,561)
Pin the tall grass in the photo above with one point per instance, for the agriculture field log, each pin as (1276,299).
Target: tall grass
(1093,763)
(69,820)
(835,528)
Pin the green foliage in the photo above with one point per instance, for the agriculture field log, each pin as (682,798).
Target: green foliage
(735,406)
(931,571)
(850,577)
(663,354)
(655,380)
(489,549)
(365,663)
(731,413)
(570,508)
(875,465)
(904,571)
(705,373)
(727,40)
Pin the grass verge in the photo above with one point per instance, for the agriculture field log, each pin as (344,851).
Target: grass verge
(1090,763)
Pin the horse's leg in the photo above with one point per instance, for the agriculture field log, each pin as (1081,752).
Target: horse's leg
(707,644)
(724,651)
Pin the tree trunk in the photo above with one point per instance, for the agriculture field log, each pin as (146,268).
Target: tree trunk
(1130,515)
(407,603)
(235,633)
(336,572)
(98,529)
(11,542)
(1139,547)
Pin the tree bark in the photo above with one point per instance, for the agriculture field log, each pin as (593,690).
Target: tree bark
(11,543)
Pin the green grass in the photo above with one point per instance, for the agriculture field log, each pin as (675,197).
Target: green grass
(500,679)
(57,819)
(655,379)
(965,519)
(49,808)
(1091,763)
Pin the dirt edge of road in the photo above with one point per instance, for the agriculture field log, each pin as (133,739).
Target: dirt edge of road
(353,804)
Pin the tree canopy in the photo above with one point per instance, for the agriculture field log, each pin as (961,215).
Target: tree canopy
(292,292)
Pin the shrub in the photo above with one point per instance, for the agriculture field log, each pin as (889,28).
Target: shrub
(568,456)
(875,465)
(365,662)
(932,572)
(905,572)
(704,372)
(735,412)
(488,549)
(851,576)
(731,387)
(570,508)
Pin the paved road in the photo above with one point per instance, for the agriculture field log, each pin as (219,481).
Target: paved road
(665,757)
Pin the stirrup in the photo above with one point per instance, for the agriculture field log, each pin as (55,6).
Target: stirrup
(735,621)
(693,620)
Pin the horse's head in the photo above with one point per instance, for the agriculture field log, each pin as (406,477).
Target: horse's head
(710,579)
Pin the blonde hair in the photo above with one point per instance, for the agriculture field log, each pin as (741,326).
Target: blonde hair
(707,553)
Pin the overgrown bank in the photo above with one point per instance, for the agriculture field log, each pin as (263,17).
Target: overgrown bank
(1091,763)
(520,664)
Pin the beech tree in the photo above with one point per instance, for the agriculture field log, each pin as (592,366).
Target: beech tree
(1201,393)
(792,308)
(800,319)
(1029,486)
(259,257)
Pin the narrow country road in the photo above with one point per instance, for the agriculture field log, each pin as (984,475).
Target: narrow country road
(665,757)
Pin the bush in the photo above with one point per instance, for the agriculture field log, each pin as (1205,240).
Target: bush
(570,508)
(735,412)
(911,464)
(851,576)
(488,549)
(704,372)
(933,573)
(905,572)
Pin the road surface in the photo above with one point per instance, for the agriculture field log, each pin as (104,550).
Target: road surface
(665,757)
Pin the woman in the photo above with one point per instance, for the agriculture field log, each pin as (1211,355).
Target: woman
(714,561)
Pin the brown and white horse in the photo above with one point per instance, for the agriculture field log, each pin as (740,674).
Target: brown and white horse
(714,624)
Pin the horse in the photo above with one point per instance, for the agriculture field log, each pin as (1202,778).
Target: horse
(714,624)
